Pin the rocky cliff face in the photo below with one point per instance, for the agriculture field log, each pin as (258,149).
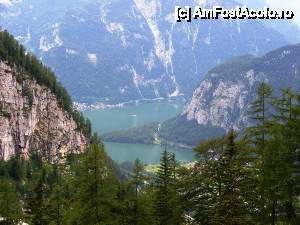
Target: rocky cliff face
(224,96)
(31,119)
(222,100)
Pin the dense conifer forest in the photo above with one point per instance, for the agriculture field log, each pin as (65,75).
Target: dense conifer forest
(246,178)
(252,177)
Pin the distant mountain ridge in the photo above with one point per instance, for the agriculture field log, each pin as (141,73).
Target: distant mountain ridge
(131,49)
(222,99)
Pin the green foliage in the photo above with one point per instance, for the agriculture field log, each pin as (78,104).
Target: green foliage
(235,65)
(237,180)
(10,207)
(3,112)
(137,182)
(175,129)
(27,92)
(144,135)
(95,188)
(36,203)
(260,110)
(253,179)
(275,137)
(166,203)
(220,184)
(16,56)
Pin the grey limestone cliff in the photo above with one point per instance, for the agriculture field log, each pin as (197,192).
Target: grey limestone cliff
(31,119)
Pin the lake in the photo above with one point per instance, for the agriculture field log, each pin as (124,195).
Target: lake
(131,116)
(149,154)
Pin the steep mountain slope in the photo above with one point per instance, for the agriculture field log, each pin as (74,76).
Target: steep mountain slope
(35,114)
(222,100)
(131,49)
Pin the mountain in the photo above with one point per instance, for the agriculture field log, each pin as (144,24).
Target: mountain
(36,112)
(286,27)
(222,99)
(131,49)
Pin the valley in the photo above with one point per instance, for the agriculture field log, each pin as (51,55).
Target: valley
(132,49)
(133,116)
(112,113)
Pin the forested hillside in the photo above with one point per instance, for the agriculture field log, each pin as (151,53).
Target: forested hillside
(245,179)
(222,100)
(16,56)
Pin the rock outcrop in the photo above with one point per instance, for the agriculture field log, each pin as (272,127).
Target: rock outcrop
(32,120)
(222,100)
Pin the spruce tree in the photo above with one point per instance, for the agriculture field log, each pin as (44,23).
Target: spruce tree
(221,191)
(285,134)
(137,181)
(260,113)
(56,206)
(96,188)
(167,205)
(10,206)
(36,203)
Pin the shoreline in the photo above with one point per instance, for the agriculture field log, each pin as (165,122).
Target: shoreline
(97,106)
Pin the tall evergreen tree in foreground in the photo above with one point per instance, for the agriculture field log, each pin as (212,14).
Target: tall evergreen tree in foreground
(221,183)
(258,133)
(36,203)
(10,207)
(137,181)
(167,204)
(275,137)
(95,188)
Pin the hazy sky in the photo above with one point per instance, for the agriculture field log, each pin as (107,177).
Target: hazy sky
(287,4)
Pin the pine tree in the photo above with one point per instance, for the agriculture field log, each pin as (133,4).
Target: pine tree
(284,143)
(221,183)
(56,203)
(137,181)
(260,113)
(167,205)
(96,188)
(36,203)
(10,207)
(276,138)
(231,205)
(55,206)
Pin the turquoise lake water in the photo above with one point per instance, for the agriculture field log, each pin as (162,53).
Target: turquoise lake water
(131,116)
